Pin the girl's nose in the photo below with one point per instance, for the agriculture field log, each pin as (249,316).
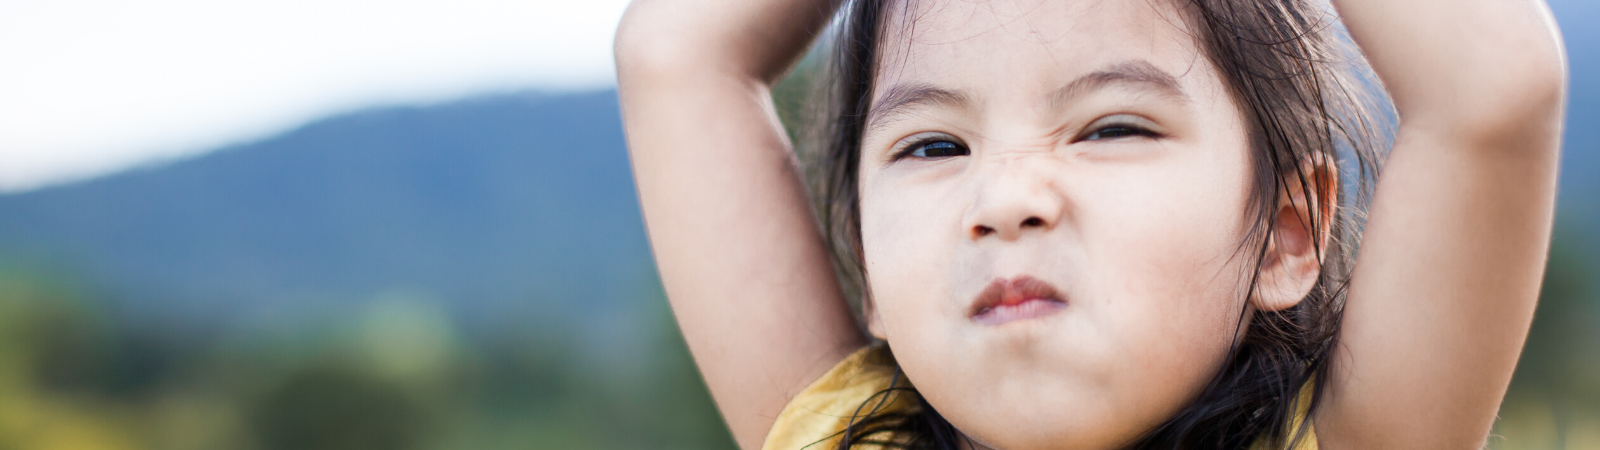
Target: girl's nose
(1012,200)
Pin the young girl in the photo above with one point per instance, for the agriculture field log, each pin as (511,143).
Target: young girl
(1101,224)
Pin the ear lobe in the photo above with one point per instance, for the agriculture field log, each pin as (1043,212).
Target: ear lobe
(1295,249)
(1291,265)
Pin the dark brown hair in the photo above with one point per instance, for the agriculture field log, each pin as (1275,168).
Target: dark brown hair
(1307,97)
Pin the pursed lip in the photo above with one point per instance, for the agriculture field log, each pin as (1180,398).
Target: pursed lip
(1018,298)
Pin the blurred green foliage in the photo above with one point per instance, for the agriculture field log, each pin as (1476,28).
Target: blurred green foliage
(397,375)
(400,375)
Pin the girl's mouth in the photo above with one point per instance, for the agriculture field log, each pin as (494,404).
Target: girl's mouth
(1019,298)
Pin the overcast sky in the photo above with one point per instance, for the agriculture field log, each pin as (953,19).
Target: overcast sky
(92,86)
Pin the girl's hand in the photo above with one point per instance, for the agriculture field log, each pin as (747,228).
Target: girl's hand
(1450,267)
(744,264)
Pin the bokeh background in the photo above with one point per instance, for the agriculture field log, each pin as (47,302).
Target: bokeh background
(350,225)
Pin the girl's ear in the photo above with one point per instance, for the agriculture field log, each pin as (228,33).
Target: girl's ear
(1295,249)
(869,309)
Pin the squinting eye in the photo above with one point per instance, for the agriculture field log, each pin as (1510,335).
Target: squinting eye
(1121,126)
(1117,131)
(936,149)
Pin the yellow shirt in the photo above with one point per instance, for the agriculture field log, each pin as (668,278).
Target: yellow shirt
(814,419)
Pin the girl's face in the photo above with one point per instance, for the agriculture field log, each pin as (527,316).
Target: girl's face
(1052,208)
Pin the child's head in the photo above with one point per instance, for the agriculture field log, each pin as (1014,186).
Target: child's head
(1089,223)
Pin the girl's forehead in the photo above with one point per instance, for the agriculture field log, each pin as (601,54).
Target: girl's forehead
(1036,18)
(1029,42)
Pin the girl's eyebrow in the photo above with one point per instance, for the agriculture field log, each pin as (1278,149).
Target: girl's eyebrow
(902,97)
(1137,74)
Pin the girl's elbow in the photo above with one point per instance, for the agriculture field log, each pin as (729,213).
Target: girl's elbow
(649,42)
(1525,123)
(638,48)
(1527,113)
(1523,116)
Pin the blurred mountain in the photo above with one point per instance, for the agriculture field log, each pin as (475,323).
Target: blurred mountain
(487,205)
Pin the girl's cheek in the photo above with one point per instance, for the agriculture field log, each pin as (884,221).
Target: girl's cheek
(1163,245)
(907,236)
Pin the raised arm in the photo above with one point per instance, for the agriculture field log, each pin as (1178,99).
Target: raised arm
(1449,270)
(743,261)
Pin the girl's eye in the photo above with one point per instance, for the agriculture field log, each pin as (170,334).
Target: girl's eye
(934,149)
(1117,131)
(1120,126)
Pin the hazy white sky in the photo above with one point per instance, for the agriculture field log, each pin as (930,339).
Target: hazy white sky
(92,86)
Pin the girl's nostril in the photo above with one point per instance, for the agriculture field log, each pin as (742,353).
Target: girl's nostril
(982,231)
(1033,222)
